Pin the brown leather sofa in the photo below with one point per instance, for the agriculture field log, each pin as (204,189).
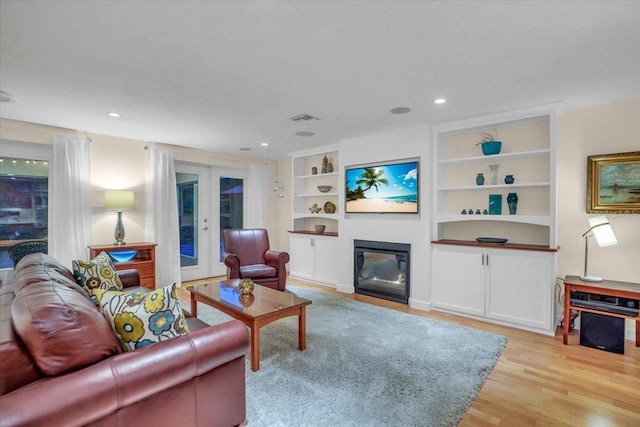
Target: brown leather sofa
(248,256)
(61,365)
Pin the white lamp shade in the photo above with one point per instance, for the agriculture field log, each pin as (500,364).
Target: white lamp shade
(602,231)
(118,200)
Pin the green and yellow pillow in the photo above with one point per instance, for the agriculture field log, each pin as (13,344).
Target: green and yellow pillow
(99,273)
(141,319)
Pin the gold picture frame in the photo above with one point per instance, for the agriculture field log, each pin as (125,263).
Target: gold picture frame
(613,183)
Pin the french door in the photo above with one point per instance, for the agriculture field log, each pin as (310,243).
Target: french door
(210,200)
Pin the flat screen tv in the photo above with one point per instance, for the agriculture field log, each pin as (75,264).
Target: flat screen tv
(386,187)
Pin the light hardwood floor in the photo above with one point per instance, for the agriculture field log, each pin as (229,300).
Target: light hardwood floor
(538,381)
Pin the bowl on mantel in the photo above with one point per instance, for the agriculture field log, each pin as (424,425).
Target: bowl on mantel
(324,188)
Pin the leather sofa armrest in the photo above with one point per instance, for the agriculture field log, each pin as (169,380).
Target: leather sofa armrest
(96,392)
(233,265)
(276,259)
(130,278)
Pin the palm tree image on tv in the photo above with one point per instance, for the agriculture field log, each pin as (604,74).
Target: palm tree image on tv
(386,188)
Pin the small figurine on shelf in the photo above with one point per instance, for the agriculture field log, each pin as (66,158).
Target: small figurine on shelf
(314,208)
(464,212)
(325,162)
(314,170)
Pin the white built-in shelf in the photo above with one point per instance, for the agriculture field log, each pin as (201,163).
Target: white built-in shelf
(318,175)
(524,219)
(496,157)
(318,215)
(495,187)
(315,195)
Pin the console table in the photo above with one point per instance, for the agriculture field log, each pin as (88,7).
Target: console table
(610,288)
(144,260)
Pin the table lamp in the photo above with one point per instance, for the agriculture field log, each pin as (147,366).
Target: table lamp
(118,200)
(603,233)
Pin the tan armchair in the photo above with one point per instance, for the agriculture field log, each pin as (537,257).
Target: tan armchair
(247,256)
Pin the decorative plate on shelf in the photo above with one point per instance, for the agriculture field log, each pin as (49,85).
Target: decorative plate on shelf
(494,240)
(329,208)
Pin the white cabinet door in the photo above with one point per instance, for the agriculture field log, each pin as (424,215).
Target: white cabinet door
(326,262)
(520,287)
(458,279)
(302,257)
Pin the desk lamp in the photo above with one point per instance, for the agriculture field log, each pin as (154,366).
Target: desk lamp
(602,231)
(118,200)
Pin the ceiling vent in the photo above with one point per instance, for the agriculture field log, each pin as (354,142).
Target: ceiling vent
(304,117)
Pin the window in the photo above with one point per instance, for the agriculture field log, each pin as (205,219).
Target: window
(24,197)
(231,206)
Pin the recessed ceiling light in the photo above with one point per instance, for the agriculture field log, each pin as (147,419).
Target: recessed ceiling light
(305,133)
(400,110)
(264,144)
(6,97)
(112,114)
(245,149)
(440,101)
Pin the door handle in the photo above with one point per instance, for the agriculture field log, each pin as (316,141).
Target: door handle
(205,228)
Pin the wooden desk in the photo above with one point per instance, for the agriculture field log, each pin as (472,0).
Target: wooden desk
(606,287)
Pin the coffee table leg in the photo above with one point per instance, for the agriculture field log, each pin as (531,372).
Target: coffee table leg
(255,348)
(194,305)
(302,329)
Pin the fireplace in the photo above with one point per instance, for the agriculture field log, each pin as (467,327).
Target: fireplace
(381,269)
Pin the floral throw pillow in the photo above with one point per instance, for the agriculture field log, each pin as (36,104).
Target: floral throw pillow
(99,273)
(141,319)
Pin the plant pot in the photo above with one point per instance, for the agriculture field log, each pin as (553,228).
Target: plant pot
(491,147)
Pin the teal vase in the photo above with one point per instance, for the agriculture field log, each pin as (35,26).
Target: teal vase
(512,201)
(480,179)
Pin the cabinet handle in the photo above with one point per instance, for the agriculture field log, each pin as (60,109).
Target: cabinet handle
(487,260)
(482,259)
(312,242)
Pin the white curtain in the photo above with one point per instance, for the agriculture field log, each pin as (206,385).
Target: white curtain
(257,195)
(162,215)
(70,209)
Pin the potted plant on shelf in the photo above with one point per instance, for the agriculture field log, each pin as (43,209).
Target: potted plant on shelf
(490,145)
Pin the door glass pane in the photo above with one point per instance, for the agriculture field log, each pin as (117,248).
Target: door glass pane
(24,196)
(231,206)
(187,190)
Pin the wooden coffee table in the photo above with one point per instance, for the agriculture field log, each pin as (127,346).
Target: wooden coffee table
(267,305)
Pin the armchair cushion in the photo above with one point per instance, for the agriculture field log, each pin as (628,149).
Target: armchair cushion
(257,271)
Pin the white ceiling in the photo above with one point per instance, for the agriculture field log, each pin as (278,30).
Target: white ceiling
(225,75)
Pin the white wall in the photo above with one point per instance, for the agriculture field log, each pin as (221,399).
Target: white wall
(398,228)
(603,129)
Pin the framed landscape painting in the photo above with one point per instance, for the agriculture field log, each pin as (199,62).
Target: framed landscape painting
(613,183)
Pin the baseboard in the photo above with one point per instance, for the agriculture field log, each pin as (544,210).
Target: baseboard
(420,305)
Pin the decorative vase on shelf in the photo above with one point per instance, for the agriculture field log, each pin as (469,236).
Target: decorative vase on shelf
(494,174)
(512,201)
(509,179)
(480,179)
